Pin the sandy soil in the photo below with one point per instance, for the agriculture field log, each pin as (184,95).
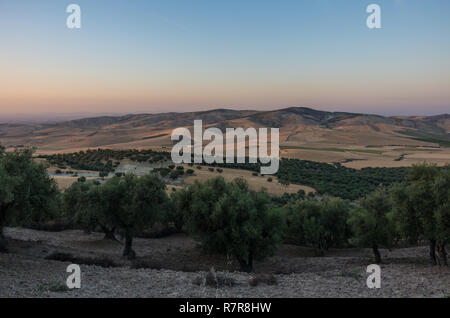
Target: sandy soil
(341,273)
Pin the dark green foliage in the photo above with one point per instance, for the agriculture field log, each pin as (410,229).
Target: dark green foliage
(103,174)
(372,224)
(27,194)
(230,219)
(332,179)
(135,203)
(421,206)
(102,159)
(318,224)
(86,205)
(180,202)
(441,189)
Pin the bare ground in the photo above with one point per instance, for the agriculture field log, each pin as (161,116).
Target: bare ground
(174,263)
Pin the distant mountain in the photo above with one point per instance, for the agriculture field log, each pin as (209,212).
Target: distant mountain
(298,125)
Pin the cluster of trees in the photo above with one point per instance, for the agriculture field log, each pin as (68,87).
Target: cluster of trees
(105,160)
(122,204)
(413,211)
(332,179)
(229,218)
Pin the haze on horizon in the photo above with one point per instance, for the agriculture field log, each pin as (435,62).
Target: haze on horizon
(159,56)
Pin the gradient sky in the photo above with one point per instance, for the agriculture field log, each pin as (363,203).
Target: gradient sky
(184,55)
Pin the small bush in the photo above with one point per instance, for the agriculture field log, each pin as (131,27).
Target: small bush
(213,279)
(211,169)
(269,180)
(219,170)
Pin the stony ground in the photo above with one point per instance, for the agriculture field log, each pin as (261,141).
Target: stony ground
(175,263)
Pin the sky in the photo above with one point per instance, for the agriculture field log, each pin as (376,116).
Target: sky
(133,56)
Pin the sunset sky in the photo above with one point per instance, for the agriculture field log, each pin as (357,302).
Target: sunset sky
(184,55)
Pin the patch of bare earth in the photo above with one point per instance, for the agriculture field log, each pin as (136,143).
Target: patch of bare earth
(170,267)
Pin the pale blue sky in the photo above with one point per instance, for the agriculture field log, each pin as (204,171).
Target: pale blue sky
(152,56)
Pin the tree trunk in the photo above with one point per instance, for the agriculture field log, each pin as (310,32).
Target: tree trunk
(444,255)
(128,251)
(376,253)
(246,265)
(3,247)
(433,252)
(109,234)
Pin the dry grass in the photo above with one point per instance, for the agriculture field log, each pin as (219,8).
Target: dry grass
(65,182)
(255,182)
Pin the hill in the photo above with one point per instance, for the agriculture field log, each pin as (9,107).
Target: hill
(350,138)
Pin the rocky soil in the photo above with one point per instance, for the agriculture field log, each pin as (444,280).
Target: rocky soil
(174,265)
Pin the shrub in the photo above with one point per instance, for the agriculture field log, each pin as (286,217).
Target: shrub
(318,224)
(27,193)
(213,279)
(372,224)
(179,209)
(230,219)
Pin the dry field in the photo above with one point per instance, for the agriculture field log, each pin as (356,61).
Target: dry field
(170,267)
(65,182)
(362,156)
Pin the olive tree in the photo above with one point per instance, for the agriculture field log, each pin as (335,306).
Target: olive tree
(179,208)
(84,205)
(230,219)
(27,194)
(416,206)
(318,224)
(441,189)
(371,223)
(134,203)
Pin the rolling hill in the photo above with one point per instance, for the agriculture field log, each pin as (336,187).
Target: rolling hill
(313,134)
